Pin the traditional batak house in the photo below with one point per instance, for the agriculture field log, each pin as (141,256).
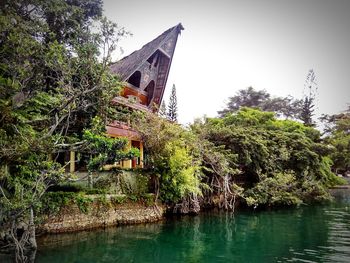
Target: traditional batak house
(144,74)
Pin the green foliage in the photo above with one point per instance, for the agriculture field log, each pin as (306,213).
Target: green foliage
(326,175)
(102,199)
(133,183)
(307,111)
(141,187)
(133,198)
(281,162)
(179,178)
(52,202)
(83,202)
(124,182)
(339,139)
(248,117)
(103,149)
(172,155)
(18,193)
(279,189)
(282,159)
(120,199)
(313,190)
(53,81)
(287,107)
(148,199)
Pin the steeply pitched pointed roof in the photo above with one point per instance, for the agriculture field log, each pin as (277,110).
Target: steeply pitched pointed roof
(129,64)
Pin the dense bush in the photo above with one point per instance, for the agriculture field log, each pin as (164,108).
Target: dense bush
(283,160)
(171,156)
(124,182)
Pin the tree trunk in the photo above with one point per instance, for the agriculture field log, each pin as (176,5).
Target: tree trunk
(31,231)
(25,243)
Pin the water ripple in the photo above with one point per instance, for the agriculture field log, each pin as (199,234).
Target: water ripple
(309,234)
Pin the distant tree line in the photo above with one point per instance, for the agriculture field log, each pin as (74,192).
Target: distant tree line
(284,107)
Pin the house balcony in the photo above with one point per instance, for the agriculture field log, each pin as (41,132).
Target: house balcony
(130,102)
(122,129)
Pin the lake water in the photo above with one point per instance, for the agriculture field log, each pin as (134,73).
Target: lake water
(306,234)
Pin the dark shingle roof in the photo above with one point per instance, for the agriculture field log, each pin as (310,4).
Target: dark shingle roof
(129,64)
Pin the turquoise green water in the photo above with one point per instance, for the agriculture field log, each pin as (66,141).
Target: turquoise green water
(307,234)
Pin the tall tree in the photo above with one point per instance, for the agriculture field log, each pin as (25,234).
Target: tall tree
(286,107)
(54,80)
(308,101)
(172,107)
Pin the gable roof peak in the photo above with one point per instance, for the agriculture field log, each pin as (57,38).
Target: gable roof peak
(129,64)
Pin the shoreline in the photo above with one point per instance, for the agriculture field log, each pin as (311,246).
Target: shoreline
(100,215)
(72,219)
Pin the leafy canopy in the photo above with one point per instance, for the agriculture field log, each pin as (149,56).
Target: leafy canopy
(171,156)
(286,107)
(272,153)
(54,80)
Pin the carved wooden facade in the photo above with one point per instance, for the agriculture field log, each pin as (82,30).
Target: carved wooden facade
(145,73)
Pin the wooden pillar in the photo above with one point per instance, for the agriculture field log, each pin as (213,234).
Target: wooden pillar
(72,162)
(141,155)
(127,163)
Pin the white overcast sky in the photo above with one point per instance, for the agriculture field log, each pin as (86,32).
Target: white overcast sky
(228,45)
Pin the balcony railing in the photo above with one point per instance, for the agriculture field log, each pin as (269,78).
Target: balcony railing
(128,102)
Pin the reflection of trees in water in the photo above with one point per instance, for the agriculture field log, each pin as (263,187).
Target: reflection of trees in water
(273,234)
(337,218)
(339,235)
(341,194)
(182,240)
(229,222)
(10,258)
(255,236)
(204,238)
(112,244)
(194,245)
